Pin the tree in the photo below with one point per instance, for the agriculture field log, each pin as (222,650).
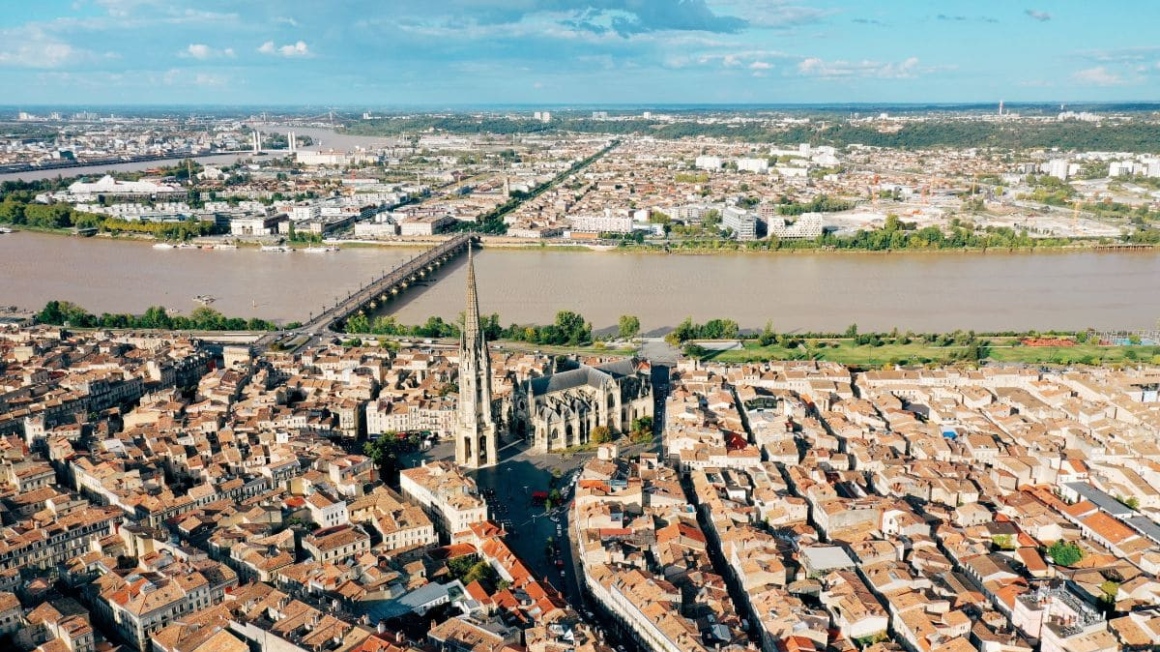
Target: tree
(1065,553)
(852,330)
(1110,589)
(601,435)
(629,326)
(386,450)
(358,324)
(767,336)
(642,429)
(571,329)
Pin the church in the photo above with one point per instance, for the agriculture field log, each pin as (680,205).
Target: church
(561,410)
(552,412)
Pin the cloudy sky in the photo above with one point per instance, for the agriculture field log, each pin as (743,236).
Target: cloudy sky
(465,52)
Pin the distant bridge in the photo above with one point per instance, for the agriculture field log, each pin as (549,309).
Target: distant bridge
(376,293)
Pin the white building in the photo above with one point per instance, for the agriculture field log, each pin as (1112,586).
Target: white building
(326,511)
(758,165)
(305,213)
(1058,168)
(449,497)
(312,158)
(426,225)
(607,223)
(107,185)
(742,222)
(708,162)
(375,229)
(386,415)
(807,226)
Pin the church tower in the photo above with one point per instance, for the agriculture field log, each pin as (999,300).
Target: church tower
(475,436)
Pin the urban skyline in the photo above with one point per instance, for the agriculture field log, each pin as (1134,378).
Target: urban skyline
(460,52)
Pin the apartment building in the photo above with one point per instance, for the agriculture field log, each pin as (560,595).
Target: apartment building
(449,497)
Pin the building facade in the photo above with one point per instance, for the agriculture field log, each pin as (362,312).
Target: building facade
(561,410)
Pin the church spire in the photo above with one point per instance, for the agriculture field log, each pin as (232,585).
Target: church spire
(475,441)
(471,316)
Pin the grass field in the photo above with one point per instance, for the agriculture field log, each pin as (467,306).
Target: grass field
(999,350)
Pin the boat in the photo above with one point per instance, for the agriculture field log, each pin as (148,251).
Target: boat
(226,246)
(186,245)
(320,250)
(162,245)
(4,230)
(205,299)
(278,248)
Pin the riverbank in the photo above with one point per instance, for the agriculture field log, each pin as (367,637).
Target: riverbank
(515,244)
(1006,349)
(660,250)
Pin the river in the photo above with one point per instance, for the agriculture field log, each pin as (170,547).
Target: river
(326,137)
(101,170)
(921,292)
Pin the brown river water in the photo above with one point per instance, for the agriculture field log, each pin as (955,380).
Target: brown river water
(921,292)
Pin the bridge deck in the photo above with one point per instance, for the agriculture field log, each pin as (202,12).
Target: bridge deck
(372,290)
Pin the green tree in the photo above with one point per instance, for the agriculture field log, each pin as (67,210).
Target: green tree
(358,324)
(601,435)
(642,429)
(1110,589)
(629,326)
(572,329)
(1065,553)
(767,336)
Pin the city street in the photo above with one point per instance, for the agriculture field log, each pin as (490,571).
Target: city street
(508,488)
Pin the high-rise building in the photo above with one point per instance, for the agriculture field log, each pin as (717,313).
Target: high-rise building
(475,437)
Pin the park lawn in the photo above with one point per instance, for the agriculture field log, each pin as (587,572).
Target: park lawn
(846,352)
(1000,350)
(1080,353)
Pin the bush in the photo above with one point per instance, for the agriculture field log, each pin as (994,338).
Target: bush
(1065,553)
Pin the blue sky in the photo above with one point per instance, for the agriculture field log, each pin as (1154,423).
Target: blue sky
(464,52)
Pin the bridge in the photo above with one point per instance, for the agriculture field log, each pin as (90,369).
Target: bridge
(375,293)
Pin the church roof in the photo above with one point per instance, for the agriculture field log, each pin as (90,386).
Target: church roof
(565,380)
(585,375)
(620,368)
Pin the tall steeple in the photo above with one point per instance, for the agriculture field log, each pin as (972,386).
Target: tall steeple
(471,316)
(475,438)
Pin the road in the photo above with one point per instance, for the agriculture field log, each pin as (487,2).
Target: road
(508,488)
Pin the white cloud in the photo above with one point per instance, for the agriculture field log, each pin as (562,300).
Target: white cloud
(179,77)
(818,67)
(299,49)
(751,59)
(1098,76)
(206,79)
(202,52)
(32,47)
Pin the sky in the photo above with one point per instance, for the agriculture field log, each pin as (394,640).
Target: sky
(372,53)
